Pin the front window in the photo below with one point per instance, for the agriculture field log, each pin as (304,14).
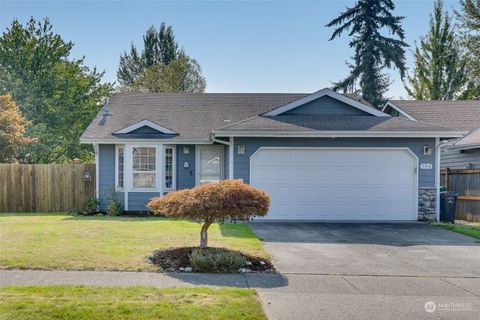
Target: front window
(169,168)
(144,167)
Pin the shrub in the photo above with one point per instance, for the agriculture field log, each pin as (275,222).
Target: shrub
(91,205)
(216,260)
(114,208)
(213,202)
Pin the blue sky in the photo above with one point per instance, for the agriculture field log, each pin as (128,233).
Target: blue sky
(242,46)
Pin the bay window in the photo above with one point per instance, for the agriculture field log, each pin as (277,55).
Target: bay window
(144,167)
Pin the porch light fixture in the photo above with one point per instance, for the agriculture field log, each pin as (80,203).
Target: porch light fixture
(87,176)
(241,149)
(186,150)
(427,150)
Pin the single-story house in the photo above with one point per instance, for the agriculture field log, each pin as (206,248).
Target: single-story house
(463,115)
(320,156)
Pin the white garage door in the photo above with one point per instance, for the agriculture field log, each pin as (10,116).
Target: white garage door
(337,184)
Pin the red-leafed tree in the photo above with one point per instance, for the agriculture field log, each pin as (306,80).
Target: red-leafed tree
(213,202)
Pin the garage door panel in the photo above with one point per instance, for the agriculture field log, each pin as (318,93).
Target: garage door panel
(339,184)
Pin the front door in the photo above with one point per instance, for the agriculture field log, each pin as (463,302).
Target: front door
(209,164)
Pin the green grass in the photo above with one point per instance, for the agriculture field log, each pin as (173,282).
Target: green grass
(106,243)
(471,230)
(137,303)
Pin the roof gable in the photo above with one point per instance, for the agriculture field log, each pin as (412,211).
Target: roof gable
(145,127)
(343,103)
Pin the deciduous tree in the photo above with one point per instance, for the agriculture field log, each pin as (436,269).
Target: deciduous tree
(58,94)
(213,202)
(439,72)
(13,128)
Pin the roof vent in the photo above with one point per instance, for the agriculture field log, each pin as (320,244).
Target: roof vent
(227,121)
(105,108)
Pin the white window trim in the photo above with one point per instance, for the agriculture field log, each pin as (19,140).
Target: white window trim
(117,188)
(174,168)
(197,162)
(157,172)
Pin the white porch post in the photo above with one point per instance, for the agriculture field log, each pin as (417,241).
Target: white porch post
(437,179)
(127,173)
(97,169)
(231,154)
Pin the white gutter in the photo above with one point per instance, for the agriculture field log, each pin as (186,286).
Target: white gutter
(340,134)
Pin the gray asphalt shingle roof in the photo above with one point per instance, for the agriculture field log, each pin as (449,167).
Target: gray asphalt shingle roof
(194,116)
(305,123)
(456,114)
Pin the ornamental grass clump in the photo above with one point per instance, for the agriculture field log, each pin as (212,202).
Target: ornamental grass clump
(228,199)
(216,260)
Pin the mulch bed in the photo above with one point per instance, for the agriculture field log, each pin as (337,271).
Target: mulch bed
(171,260)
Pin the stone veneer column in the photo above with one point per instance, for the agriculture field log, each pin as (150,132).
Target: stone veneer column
(426,204)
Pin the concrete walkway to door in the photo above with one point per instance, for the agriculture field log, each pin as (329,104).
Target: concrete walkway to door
(371,271)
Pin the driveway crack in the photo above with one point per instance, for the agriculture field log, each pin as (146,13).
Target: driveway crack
(246,281)
(459,287)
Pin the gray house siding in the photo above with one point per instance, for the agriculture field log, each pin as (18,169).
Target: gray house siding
(185,176)
(457,159)
(326,106)
(426,177)
(138,200)
(106,176)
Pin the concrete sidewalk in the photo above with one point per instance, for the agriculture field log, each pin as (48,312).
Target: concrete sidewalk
(301,296)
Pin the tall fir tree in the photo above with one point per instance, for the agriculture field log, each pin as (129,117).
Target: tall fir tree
(141,71)
(439,72)
(469,21)
(373,51)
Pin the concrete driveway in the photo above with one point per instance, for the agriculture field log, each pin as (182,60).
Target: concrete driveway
(370,271)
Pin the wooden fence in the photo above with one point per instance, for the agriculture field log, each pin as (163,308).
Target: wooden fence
(467,184)
(45,187)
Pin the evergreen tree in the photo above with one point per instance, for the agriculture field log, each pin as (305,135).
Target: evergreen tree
(373,51)
(439,72)
(469,18)
(147,71)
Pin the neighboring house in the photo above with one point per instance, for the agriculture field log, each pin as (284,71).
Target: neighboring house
(320,156)
(458,114)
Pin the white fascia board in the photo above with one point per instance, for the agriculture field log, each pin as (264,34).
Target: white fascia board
(142,141)
(331,94)
(144,123)
(346,134)
(389,104)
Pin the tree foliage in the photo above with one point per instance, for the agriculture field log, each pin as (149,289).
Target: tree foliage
(13,128)
(180,75)
(213,202)
(439,72)
(160,67)
(59,95)
(373,51)
(469,21)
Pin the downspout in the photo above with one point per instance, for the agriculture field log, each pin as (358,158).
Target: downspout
(97,169)
(439,144)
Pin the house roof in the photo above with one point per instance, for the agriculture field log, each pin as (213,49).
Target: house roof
(470,141)
(193,117)
(317,124)
(456,114)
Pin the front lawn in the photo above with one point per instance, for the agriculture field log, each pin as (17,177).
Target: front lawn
(55,241)
(138,303)
(471,230)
